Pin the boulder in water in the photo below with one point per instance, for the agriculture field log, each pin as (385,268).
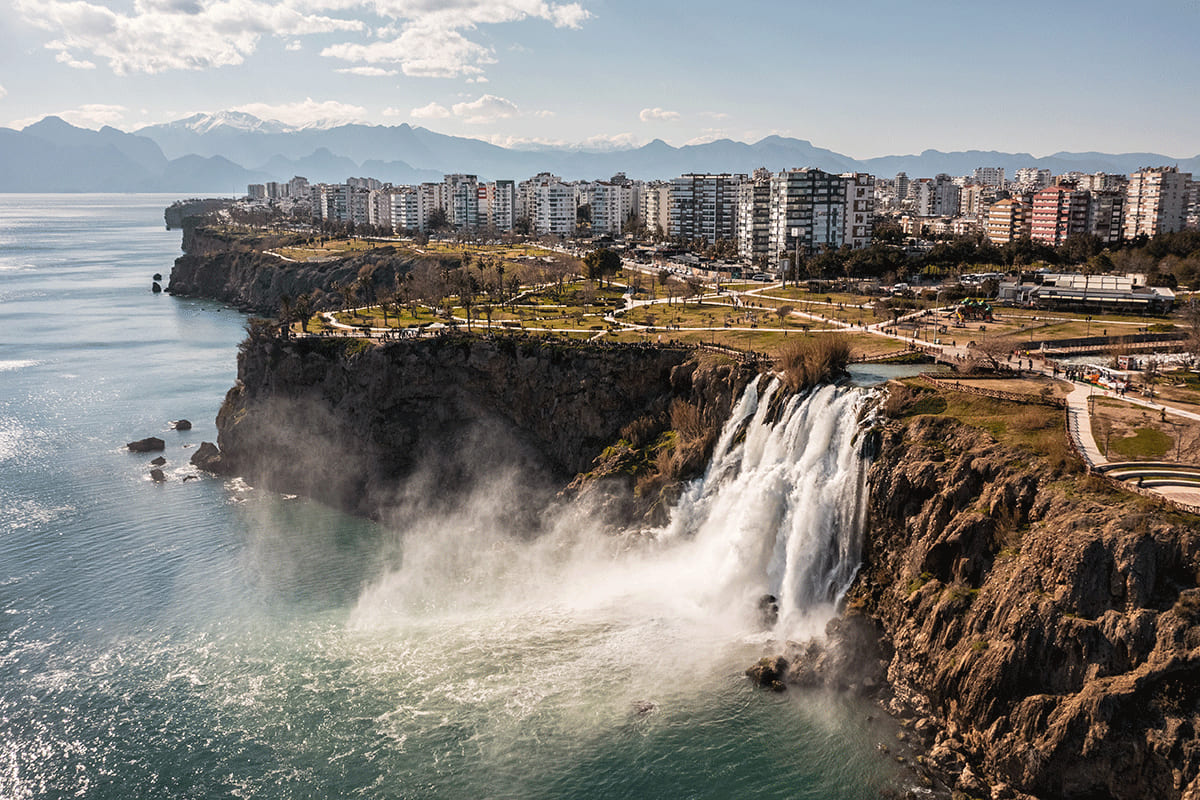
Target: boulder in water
(156,287)
(157,475)
(158,462)
(207,457)
(158,276)
(181,425)
(644,707)
(769,673)
(150,444)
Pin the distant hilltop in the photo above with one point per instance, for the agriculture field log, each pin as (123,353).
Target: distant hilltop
(222,153)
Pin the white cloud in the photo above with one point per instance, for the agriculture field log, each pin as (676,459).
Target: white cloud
(306,112)
(63,57)
(420,52)
(431,111)
(658,115)
(430,42)
(3,92)
(424,38)
(708,135)
(603,143)
(484,109)
(294,46)
(488,108)
(92,115)
(714,114)
(367,72)
(159,35)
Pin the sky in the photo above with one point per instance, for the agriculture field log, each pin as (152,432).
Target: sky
(868,78)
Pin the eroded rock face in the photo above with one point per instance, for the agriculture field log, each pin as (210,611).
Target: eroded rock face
(350,423)
(150,444)
(1045,626)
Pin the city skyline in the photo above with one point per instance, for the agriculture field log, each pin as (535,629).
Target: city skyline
(879,79)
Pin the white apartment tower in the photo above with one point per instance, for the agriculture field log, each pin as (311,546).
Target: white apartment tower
(1156,201)
(655,207)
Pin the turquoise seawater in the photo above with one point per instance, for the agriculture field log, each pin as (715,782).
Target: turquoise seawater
(201,639)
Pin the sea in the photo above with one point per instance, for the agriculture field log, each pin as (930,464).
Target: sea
(200,638)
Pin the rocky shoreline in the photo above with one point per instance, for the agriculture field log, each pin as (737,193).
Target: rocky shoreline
(1034,631)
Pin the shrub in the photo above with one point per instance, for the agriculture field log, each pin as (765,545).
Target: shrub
(809,361)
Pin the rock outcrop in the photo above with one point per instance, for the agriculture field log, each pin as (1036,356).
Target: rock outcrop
(242,272)
(150,444)
(1038,627)
(207,457)
(349,423)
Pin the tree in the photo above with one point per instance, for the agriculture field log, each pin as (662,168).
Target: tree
(783,312)
(303,310)
(438,221)
(601,262)
(286,314)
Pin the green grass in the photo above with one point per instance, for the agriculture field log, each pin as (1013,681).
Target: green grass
(1145,444)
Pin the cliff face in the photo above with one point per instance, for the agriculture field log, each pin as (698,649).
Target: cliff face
(349,423)
(1041,629)
(238,271)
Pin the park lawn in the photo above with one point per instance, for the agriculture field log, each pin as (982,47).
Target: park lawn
(1034,427)
(833,298)
(374,317)
(865,345)
(332,249)
(708,315)
(1125,431)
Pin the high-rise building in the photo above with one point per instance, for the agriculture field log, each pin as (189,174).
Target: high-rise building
(549,205)
(1007,220)
(1156,201)
(1058,212)
(860,208)
(462,198)
(901,185)
(704,207)
(499,205)
(1106,211)
(1032,178)
(655,208)
(992,176)
(808,208)
(754,217)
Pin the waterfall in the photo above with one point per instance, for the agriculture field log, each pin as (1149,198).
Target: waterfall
(780,509)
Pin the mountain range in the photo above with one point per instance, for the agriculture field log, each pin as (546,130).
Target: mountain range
(222,153)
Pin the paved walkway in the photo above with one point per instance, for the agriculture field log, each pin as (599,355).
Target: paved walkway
(1079,424)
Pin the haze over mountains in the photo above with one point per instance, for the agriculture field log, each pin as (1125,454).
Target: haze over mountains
(222,153)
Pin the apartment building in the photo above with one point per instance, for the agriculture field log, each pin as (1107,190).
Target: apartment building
(990,176)
(1032,178)
(860,208)
(704,207)
(1007,220)
(808,211)
(1106,213)
(754,217)
(655,207)
(1058,212)
(1156,201)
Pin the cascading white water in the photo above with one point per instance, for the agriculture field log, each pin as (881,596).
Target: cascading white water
(780,509)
